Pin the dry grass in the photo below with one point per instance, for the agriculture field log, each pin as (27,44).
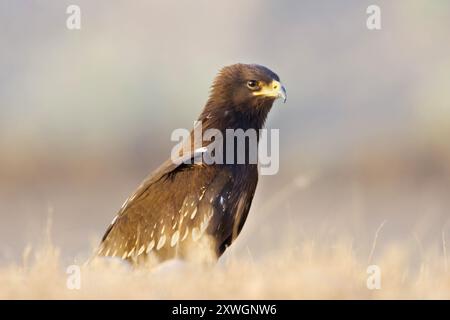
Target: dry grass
(307,271)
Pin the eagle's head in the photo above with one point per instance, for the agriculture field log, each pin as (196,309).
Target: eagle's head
(249,84)
(243,93)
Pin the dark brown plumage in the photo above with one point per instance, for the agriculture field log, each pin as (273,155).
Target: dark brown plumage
(185,210)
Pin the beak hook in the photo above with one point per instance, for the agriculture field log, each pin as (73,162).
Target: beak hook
(283,94)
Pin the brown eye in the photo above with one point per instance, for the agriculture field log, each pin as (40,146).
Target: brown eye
(252,84)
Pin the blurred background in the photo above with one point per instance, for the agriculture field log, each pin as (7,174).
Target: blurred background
(86,115)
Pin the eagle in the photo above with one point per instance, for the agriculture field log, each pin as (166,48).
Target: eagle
(189,210)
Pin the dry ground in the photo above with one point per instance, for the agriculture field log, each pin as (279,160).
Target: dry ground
(305,271)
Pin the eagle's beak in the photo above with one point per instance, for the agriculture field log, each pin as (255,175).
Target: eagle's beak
(275,89)
(278,90)
(282,93)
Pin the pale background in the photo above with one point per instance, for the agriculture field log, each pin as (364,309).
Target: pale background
(86,115)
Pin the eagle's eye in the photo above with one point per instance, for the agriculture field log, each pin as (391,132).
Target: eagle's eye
(252,84)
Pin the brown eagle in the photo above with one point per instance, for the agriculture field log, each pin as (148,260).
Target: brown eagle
(184,209)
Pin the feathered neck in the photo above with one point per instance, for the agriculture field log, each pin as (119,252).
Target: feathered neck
(222,115)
